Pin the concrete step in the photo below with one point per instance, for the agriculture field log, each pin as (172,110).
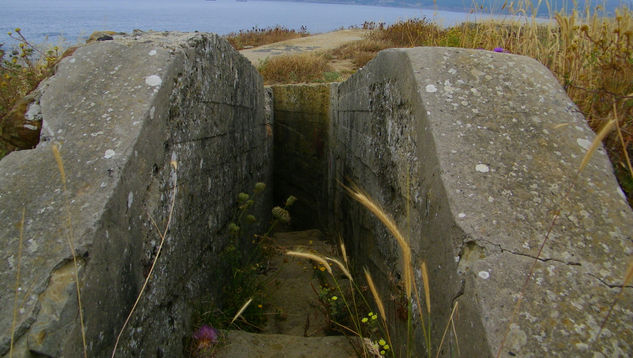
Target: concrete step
(291,286)
(258,345)
(299,330)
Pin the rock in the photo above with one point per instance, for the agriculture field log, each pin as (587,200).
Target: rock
(474,154)
(157,99)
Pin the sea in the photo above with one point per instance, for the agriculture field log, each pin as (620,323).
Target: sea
(66,22)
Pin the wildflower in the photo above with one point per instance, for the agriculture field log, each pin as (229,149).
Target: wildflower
(17,29)
(321,268)
(205,337)
(364,320)
(259,305)
(382,352)
(382,342)
(499,49)
(334,298)
(374,317)
(386,347)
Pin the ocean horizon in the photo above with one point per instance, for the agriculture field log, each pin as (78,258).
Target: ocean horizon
(70,21)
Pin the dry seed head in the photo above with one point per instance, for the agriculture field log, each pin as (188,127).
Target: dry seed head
(307,255)
(343,251)
(596,142)
(393,228)
(427,289)
(60,163)
(242,310)
(340,265)
(374,292)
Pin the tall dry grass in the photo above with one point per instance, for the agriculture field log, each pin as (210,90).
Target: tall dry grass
(304,67)
(590,54)
(257,36)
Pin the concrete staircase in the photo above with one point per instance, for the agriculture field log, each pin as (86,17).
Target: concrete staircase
(300,328)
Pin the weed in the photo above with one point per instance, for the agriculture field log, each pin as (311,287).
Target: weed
(242,298)
(21,70)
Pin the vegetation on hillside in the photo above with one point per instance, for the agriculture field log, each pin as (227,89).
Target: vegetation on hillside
(591,56)
(260,36)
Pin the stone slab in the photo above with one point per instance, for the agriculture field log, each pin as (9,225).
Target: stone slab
(244,344)
(121,112)
(474,153)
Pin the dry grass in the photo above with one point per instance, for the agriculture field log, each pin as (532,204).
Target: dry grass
(304,67)
(591,56)
(258,36)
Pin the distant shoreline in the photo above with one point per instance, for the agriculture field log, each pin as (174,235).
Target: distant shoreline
(542,13)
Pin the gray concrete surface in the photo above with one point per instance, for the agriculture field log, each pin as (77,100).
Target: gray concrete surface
(473,153)
(120,112)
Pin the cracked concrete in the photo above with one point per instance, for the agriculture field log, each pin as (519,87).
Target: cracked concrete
(474,153)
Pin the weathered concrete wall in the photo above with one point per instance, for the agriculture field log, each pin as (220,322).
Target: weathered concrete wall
(473,153)
(121,111)
(302,114)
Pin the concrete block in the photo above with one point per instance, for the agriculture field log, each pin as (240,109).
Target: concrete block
(121,111)
(475,154)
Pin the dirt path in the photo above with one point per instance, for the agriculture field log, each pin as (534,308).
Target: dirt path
(320,42)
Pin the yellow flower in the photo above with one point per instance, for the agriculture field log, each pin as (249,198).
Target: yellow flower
(382,352)
(321,268)
(259,306)
(382,342)
(364,320)
(17,29)
(334,298)
(374,317)
(386,346)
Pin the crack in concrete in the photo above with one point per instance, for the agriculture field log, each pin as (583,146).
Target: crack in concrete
(606,283)
(542,259)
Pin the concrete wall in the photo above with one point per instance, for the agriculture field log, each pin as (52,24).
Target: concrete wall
(302,114)
(121,111)
(473,153)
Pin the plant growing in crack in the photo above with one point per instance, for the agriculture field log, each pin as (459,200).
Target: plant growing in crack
(242,298)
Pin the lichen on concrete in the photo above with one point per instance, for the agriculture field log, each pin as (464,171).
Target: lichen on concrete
(480,173)
(120,112)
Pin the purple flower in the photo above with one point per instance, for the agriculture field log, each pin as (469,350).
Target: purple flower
(206,335)
(499,49)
